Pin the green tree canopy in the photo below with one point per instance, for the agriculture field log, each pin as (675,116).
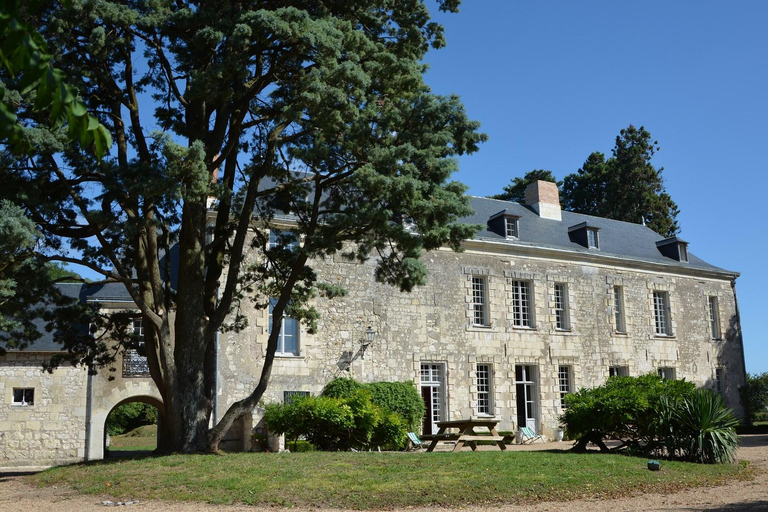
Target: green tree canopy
(624,187)
(228,116)
(515,191)
(36,82)
(754,394)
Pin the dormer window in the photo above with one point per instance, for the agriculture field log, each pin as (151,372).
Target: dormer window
(585,235)
(592,241)
(674,248)
(505,224)
(510,227)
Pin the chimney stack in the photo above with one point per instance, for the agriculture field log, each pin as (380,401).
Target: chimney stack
(544,197)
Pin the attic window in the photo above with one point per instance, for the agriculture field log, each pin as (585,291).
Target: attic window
(674,248)
(592,241)
(510,227)
(585,235)
(505,224)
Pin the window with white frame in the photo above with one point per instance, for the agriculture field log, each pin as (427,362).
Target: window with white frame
(484,402)
(562,320)
(592,239)
(480,301)
(618,310)
(720,380)
(522,304)
(667,373)
(288,340)
(661,313)
(281,238)
(289,396)
(23,396)
(618,371)
(714,318)
(510,227)
(564,382)
(134,359)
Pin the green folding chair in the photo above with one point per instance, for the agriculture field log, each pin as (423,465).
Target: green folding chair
(528,435)
(416,441)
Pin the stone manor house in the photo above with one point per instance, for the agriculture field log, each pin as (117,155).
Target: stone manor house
(542,302)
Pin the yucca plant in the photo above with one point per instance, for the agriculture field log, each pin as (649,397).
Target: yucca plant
(704,429)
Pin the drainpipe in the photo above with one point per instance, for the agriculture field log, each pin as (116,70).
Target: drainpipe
(88,413)
(216,382)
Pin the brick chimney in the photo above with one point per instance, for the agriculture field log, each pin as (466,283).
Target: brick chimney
(543,196)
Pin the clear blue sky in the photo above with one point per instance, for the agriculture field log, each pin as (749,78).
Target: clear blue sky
(552,82)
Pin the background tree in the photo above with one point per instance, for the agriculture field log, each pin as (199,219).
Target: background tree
(754,396)
(317,110)
(515,191)
(624,187)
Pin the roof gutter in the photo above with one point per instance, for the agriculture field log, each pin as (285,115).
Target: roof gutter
(595,258)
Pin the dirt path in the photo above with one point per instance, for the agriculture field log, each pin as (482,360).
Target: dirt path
(739,496)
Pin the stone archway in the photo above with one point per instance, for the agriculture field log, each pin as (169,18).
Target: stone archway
(140,390)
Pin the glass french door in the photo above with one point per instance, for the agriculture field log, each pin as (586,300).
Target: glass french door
(433,393)
(527,396)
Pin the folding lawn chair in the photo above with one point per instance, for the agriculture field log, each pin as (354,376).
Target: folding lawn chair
(417,443)
(528,435)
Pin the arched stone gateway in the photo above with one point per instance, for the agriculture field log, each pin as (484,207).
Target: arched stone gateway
(139,390)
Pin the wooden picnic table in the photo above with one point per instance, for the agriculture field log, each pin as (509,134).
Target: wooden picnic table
(466,433)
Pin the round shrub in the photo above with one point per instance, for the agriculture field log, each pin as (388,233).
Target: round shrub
(399,397)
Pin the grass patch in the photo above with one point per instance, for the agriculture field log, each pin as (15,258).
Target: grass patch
(140,439)
(383,480)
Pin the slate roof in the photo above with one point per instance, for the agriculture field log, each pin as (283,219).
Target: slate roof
(620,239)
(46,343)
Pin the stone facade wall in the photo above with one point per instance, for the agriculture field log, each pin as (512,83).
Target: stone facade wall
(433,324)
(51,431)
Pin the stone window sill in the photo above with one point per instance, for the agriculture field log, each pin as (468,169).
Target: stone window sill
(480,328)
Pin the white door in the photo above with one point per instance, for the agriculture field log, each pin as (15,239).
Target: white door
(527,396)
(433,393)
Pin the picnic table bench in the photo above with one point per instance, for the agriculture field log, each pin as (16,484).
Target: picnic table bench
(466,433)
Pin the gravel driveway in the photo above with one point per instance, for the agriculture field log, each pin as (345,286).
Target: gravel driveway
(739,496)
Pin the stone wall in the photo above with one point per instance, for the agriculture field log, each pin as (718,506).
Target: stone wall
(51,431)
(433,324)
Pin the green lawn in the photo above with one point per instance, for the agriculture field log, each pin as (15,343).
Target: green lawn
(140,439)
(382,480)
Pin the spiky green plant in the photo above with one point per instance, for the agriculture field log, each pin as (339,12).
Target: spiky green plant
(705,429)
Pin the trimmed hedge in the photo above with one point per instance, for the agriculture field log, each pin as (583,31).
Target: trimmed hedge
(399,397)
(331,423)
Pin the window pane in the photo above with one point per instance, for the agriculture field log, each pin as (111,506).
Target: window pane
(564,380)
(661,313)
(479,301)
(521,307)
(714,318)
(592,238)
(618,309)
(561,312)
(290,336)
(484,389)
